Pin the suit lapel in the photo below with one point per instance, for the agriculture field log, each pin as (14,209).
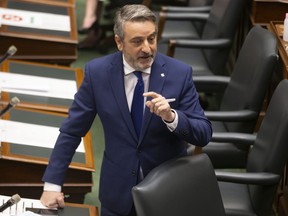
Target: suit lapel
(156,83)
(116,73)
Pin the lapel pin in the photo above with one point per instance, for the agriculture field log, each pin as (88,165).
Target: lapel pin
(162,75)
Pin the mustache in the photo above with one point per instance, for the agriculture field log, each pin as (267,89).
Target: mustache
(146,56)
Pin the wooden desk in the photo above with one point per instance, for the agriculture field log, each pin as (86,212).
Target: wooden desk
(57,47)
(42,70)
(276,27)
(27,204)
(264,11)
(72,208)
(24,165)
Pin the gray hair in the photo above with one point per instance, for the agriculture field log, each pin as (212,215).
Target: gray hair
(133,12)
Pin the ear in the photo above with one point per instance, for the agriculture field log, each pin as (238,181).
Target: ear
(118,42)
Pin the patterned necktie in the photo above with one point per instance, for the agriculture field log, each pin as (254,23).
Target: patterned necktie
(138,103)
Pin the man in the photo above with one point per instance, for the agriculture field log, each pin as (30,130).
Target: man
(107,90)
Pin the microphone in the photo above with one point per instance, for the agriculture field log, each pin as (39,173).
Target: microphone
(14,199)
(11,51)
(13,102)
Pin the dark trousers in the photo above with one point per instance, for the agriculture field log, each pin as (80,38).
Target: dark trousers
(109,212)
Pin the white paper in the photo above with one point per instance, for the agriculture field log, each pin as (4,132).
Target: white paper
(29,213)
(31,19)
(19,209)
(31,134)
(36,85)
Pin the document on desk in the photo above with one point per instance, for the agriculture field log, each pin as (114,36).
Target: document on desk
(31,134)
(36,85)
(32,19)
(19,209)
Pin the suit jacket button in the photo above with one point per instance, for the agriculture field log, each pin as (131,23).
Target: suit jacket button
(133,172)
(183,132)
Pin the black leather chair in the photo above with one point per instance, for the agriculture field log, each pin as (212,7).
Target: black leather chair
(184,186)
(243,97)
(209,54)
(176,22)
(252,192)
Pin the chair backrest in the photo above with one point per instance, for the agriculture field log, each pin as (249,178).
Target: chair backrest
(251,76)
(224,19)
(270,150)
(198,3)
(184,186)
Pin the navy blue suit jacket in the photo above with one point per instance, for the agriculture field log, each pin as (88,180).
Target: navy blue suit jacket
(102,92)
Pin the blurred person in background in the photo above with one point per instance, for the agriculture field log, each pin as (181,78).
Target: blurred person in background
(100,36)
(90,19)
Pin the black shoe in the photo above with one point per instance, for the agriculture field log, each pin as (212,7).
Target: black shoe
(86,30)
(92,40)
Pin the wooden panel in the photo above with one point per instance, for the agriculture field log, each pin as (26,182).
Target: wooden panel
(45,71)
(277,28)
(25,179)
(40,155)
(57,47)
(264,11)
(282,208)
(24,165)
(92,209)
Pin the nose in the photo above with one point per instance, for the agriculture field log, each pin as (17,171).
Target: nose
(146,47)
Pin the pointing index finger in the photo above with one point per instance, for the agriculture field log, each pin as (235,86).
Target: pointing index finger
(151,94)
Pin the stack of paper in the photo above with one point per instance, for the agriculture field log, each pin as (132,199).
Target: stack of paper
(19,209)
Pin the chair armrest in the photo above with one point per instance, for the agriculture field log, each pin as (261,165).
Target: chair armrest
(262,178)
(205,9)
(243,139)
(202,43)
(234,137)
(232,116)
(183,16)
(163,16)
(211,84)
(221,43)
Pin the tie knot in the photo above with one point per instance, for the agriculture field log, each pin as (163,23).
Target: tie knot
(138,74)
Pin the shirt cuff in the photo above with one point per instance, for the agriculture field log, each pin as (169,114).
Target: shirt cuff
(51,187)
(172,125)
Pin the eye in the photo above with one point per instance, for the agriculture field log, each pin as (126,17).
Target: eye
(137,41)
(151,39)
